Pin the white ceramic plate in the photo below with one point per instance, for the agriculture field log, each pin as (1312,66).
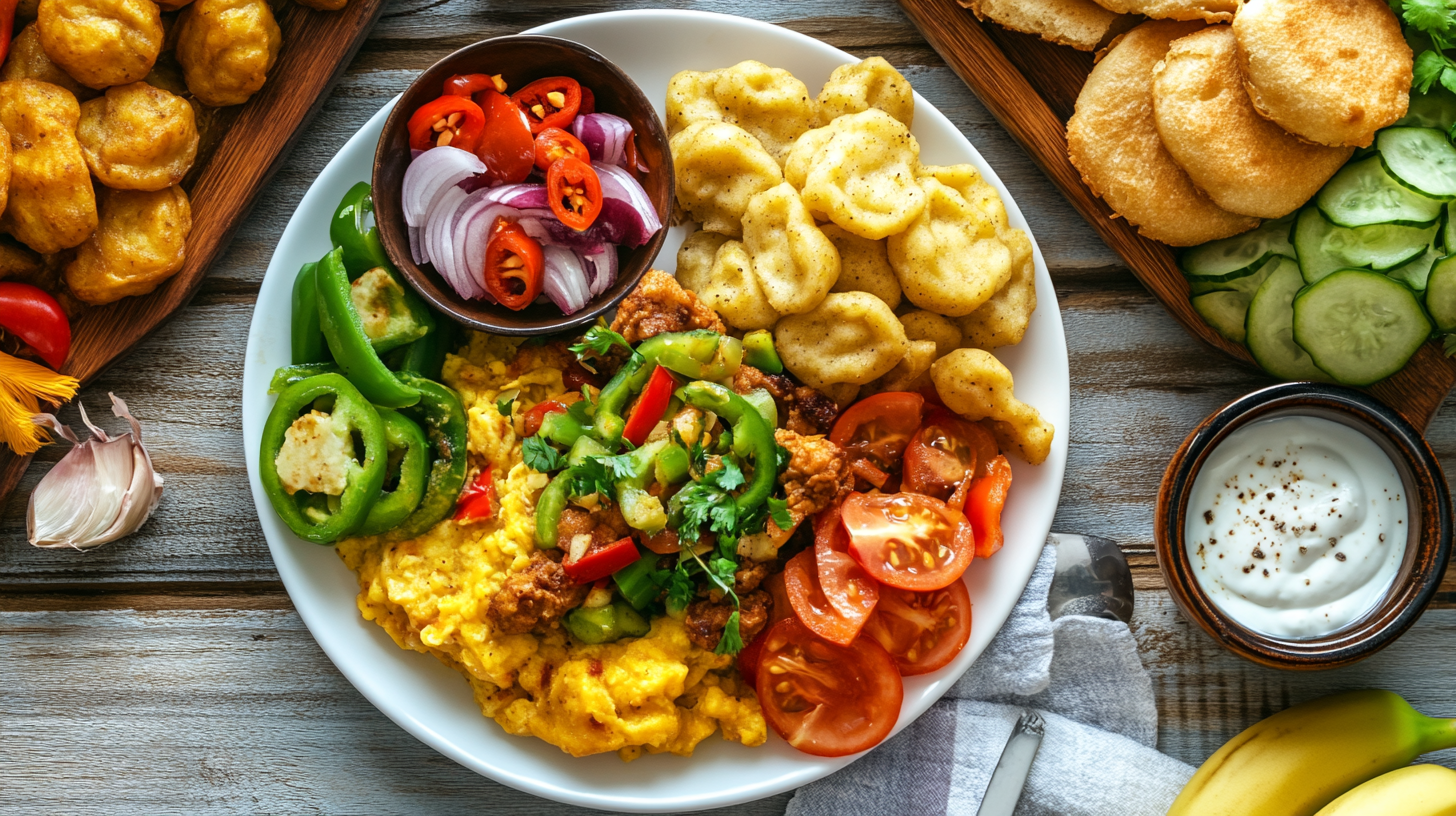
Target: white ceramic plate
(430,700)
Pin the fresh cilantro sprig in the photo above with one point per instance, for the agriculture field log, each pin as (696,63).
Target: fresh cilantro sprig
(600,474)
(778,510)
(600,339)
(504,406)
(720,571)
(1437,20)
(708,503)
(540,456)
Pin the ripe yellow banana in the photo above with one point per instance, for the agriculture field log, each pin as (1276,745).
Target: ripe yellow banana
(1299,760)
(1417,790)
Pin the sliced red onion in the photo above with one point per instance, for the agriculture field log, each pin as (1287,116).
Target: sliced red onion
(417,247)
(605,137)
(430,176)
(437,236)
(566,283)
(601,270)
(639,220)
(521,196)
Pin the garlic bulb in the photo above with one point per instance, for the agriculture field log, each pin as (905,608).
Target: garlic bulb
(103,489)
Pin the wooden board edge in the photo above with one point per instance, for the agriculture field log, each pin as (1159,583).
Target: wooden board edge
(119,327)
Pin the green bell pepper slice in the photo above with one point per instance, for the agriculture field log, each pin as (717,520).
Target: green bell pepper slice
(635,583)
(606,624)
(672,466)
(288,375)
(405,443)
(442,418)
(350,345)
(640,509)
(698,354)
(550,505)
(759,352)
(362,248)
(307,337)
(426,356)
(300,511)
(410,319)
(561,428)
(749,430)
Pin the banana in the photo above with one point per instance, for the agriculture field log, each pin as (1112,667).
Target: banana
(1299,760)
(1417,790)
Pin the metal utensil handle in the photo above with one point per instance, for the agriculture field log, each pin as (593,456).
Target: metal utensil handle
(1004,789)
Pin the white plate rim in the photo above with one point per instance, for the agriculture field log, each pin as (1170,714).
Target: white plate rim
(1011,569)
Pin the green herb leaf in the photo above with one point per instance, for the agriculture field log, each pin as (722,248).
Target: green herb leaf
(1448,78)
(600,339)
(680,588)
(1428,68)
(732,640)
(698,458)
(783,457)
(1432,16)
(778,510)
(581,411)
(503,407)
(540,456)
(727,477)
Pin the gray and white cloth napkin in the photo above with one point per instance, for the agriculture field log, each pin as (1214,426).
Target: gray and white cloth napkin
(1098,757)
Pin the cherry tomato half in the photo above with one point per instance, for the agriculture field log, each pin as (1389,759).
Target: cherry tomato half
(515,267)
(555,143)
(781,608)
(908,540)
(878,427)
(550,102)
(944,452)
(506,147)
(575,193)
(538,412)
(831,593)
(984,504)
(923,631)
(824,699)
(450,121)
(33,315)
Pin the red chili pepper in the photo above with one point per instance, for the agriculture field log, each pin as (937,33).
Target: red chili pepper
(650,406)
(538,412)
(601,561)
(549,102)
(575,193)
(588,102)
(450,120)
(7,26)
(468,84)
(515,267)
(555,143)
(478,500)
(32,315)
(507,147)
(632,159)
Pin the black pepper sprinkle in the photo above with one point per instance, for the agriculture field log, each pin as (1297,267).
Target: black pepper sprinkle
(1257,553)
(1270,495)
(1339,556)
(1208,516)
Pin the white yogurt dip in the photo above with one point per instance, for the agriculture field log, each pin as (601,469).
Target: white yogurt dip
(1296,526)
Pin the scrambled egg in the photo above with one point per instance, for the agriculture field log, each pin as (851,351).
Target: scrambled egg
(657,693)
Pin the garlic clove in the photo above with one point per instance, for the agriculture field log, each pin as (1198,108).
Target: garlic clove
(103,489)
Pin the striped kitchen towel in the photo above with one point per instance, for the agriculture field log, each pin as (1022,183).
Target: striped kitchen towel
(1098,757)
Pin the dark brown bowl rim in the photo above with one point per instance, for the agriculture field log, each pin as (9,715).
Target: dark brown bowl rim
(393,236)
(1403,603)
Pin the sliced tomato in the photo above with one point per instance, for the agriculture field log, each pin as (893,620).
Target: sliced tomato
(984,504)
(825,699)
(813,607)
(538,412)
(506,147)
(550,102)
(782,607)
(943,453)
(452,121)
(908,540)
(846,585)
(515,267)
(923,631)
(555,143)
(879,427)
(575,192)
(749,657)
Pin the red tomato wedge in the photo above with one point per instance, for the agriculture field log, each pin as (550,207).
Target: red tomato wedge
(506,147)
(878,427)
(650,406)
(944,451)
(814,608)
(908,540)
(984,505)
(824,699)
(848,588)
(477,501)
(923,631)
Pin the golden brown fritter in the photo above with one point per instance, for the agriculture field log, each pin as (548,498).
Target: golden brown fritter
(1244,162)
(658,305)
(140,243)
(1082,24)
(227,48)
(1330,71)
(52,206)
(137,137)
(101,42)
(28,60)
(1113,142)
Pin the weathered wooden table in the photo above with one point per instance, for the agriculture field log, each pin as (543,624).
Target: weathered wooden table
(169,672)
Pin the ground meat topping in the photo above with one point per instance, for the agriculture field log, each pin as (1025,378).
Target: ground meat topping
(659,305)
(808,412)
(605,525)
(534,599)
(706,619)
(817,475)
(750,576)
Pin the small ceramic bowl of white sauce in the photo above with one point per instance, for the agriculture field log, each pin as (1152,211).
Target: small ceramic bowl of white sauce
(1304,526)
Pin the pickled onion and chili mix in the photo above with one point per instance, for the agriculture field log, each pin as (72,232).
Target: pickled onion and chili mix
(512,196)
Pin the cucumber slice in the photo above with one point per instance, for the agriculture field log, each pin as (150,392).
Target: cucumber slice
(1240,255)
(1360,327)
(1270,326)
(1324,247)
(1225,312)
(1413,273)
(1448,238)
(1420,158)
(1434,109)
(1362,193)
(1248,284)
(1441,293)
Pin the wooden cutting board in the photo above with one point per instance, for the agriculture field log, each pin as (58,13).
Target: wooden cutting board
(1031,87)
(317,46)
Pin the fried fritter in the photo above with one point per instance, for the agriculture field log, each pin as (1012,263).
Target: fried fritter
(1082,24)
(52,206)
(227,48)
(1244,162)
(1213,11)
(138,137)
(1113,142)
(101,42)
(1330,71)
(28,60)
(140,243)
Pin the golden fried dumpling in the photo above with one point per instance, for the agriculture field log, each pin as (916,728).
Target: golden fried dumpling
(950,260)
(718,168)
(52,205)
(227,48)
(850,337)
(795,264)
(101,42)
(138,137)
(870,83)
(140,243)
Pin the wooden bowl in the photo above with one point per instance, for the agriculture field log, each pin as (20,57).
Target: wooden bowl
(1428,547)
(520,60)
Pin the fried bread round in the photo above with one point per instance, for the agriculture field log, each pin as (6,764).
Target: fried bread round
(1328,71)
(1115,145)
(1213,11)
(1244,162)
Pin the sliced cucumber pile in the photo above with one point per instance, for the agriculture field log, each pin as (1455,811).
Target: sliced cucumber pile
(1350,286)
